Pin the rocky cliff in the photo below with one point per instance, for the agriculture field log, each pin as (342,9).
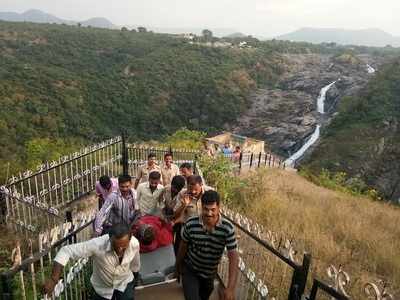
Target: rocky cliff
(286,115)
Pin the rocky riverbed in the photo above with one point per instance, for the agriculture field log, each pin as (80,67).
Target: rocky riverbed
(285,116)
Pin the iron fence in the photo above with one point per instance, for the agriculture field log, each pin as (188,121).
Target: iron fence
(24,280)
(36,199)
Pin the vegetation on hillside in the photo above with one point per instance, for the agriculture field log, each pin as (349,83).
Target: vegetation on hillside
(87,84)
(364,138)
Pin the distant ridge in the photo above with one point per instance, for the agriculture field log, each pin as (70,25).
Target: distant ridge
(364,37)
(38,16)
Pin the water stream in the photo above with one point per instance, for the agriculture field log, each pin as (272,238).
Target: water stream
(370,69)
(315,136)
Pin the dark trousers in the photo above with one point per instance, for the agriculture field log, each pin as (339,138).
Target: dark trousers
(177,230)
(117,295)
(194,286)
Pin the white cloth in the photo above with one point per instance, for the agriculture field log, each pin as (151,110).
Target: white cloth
(148,201)
(108,274)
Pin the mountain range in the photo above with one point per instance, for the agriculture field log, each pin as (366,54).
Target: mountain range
(38,16)
(365,37)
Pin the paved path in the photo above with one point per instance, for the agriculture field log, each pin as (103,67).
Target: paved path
(171,291)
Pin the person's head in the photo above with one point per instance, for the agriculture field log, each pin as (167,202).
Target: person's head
(210,207)
(168,159)
(105,182)
(177,184)
(186,170)
(151,159)
(154,179)
(120,237)
(226,145)
(146,234)
(124,183)
(194,185)
(237,148)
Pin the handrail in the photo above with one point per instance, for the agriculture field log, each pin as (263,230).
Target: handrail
(38,255)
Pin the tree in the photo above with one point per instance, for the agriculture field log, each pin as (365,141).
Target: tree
(124,29)
(142,29)
(207,34)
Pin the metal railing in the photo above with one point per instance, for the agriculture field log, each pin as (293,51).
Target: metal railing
(268,265)
(35,200)
(24,280)
(250,161)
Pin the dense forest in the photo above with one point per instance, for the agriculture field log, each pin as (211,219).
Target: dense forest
(364,138)
(70,84)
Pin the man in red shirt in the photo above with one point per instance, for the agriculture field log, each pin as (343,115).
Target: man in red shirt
(152,233)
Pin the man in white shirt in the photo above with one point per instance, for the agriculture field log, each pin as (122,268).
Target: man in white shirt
(168,169)
(116,263)
(148,195)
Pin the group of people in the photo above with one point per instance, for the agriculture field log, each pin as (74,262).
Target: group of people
(163,205)
(226,150)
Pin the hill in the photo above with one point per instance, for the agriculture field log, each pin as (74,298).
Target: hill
(363,139)
(365,37)
(59,82)
(38,16)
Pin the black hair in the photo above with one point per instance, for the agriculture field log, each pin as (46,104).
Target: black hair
(146,234)
(124,178)
(194,179)
(186,165)
(151,155)
(210,197)
(104,181)
(168,154)
(119,230)
(178,182)
(155,175)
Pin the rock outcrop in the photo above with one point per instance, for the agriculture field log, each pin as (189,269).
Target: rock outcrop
(286,115)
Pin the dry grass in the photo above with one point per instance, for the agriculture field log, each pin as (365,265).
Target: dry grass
(336,228)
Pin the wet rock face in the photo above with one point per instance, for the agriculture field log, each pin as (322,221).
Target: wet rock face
(285,116)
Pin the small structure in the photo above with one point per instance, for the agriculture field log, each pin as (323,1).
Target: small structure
(246,144)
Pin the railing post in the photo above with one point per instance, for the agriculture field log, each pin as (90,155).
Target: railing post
(251,160)
(195,165)
(3,204)
(269,160)
(299,279)
(240,161)
(6,286)
(125,164)
(259,160)
(68,217)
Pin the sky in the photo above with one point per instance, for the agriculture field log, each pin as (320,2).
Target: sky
(266,18)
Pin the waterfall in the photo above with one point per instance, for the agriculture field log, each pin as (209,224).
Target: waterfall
(322,98)
(370,69)
(315,136)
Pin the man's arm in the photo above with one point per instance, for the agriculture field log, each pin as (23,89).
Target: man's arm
(182,202)
(75,251)
(140,175)
(181,255)
(233,274)
(102,214)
